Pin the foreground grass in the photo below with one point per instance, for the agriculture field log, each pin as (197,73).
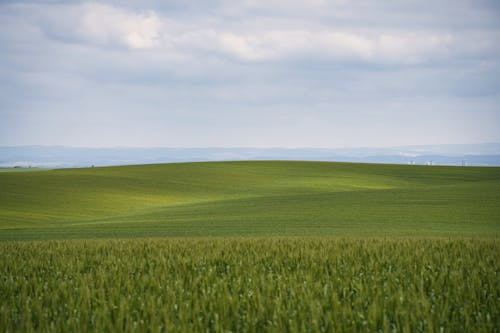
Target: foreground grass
(260,198)
(254,285)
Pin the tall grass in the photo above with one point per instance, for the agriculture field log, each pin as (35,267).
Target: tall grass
(254,285)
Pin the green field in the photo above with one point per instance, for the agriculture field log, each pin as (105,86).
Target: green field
(250,247)
(250,199)
(250,285)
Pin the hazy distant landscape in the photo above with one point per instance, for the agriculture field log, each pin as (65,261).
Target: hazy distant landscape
(487,154)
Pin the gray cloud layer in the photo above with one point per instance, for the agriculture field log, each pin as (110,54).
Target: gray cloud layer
(249,73)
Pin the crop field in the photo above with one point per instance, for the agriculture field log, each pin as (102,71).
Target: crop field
(250,284)
(250,199)
(250,247)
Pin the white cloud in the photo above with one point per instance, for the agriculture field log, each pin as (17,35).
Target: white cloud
(99,24)
(382,47)
(106,24)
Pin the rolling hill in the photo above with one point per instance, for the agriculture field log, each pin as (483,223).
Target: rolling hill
(255,198)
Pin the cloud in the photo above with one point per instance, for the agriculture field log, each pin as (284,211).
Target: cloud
(334,45)
(99,24)
(107,24)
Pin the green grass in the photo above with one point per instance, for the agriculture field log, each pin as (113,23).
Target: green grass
(20,169)
(402,248)
(251,199)
(250,285)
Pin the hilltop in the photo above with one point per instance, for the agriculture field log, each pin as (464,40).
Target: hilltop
(255,198)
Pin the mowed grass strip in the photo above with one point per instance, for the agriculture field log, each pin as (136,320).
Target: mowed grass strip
(258,198)
(251,285)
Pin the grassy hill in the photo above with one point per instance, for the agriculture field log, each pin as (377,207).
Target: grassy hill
(250,199)
(423,282)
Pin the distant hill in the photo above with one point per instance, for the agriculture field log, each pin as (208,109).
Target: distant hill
(58,156)
(253,198)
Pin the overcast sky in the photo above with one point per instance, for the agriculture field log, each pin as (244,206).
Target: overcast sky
(259,73)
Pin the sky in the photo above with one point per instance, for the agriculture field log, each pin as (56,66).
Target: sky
(251,73)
